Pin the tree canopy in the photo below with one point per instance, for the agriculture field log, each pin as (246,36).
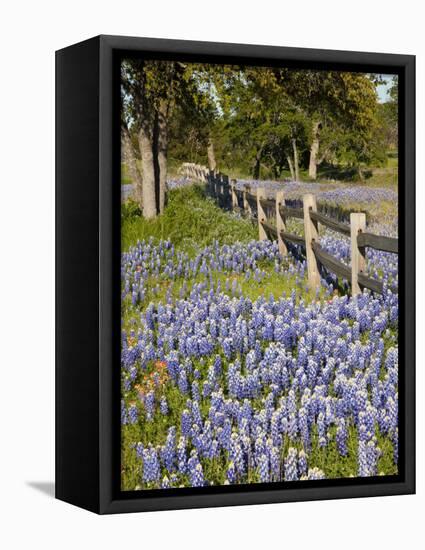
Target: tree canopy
(258,120)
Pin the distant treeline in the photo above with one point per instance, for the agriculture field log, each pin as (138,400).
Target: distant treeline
(253,118)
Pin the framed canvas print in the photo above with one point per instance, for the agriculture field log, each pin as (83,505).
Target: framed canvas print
(235,274)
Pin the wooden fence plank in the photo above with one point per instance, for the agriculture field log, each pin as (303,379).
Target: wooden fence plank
(291,237)
(251,200)
(235,201)
(227,197)
(280,223)
(378,242)
(341,270)
(371,284)
(261,214)
(246,204)
(358,259)
(311,235)
(267,203)
(270,229)
(289,212)
(331,263)
(250,195)
(332,224)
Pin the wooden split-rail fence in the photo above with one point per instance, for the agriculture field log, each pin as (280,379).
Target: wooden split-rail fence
(265,210)
(195,171)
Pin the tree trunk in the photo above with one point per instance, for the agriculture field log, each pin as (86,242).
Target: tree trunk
(148,171)
(131,163)
(314,151)
(291,167)
(162,145)
(212,164)
(257,165)
(296,161)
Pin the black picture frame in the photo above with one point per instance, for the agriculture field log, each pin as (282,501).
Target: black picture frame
(87,274)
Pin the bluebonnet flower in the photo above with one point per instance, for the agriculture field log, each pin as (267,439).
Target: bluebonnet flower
(362,460)
(302,463)
(183,383)
(315,473)
(181,455)
(150,405)
(196,396)
(195,470)
(263,468)
(236,454)
(394,439)
(186,422)
(165,484)
(298,368)
(139,450)
(274,457)
(133,414)
(168,452)
(291,465)
(151,468)
(321,430)
(372,454)
(163,405)
(304,428)
(231,473)
(341,436)
(124,416)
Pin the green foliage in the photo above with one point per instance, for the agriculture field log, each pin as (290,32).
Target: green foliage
(190,220)
(264,112)
(263,120)
(130,210)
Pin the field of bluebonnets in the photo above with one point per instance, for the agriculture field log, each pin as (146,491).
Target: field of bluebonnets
(233,372)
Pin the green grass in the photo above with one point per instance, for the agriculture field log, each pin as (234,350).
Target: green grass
(375,176)
(125,178)
(190,220)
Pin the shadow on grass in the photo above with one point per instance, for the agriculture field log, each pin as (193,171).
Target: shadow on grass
(339,173)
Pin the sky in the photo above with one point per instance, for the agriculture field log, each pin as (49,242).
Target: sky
(382,89)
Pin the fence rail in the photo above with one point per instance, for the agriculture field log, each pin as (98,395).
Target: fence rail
(258,205)
(290,212)
(331,263)
(194,171)
(379,242)
(343,228)
(292,238)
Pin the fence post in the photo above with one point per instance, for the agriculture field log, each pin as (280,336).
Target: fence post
(280,223)
(311,234)
(246,205)
(226,191)
(358,258)
(261,215)
(235,203)
(211,180)
(215,185)
(212,183)
(220,189)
